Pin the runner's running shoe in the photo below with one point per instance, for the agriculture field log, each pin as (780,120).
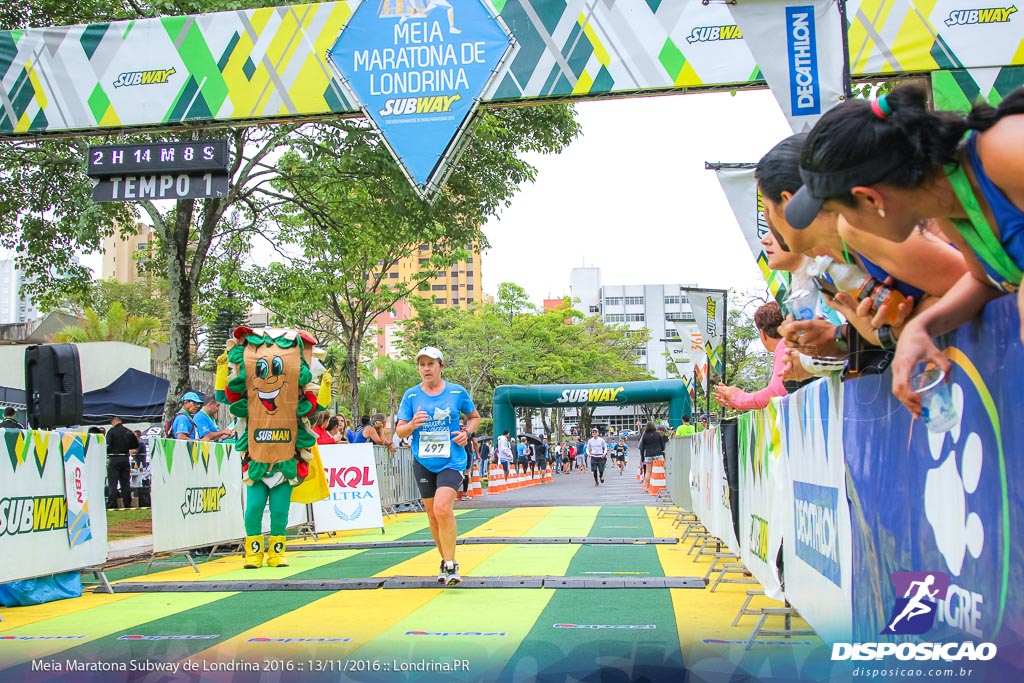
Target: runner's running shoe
(442,575)
(450,569)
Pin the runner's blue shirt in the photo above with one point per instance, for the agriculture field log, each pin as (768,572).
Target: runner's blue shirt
(444,411)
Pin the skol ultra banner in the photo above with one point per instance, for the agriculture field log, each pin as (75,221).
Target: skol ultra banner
(708,306)
(748,206)
(799,47)
(816,528)
(354,502)
(37,500)
(944,505)
(197,497)
(764,480)
(270,63)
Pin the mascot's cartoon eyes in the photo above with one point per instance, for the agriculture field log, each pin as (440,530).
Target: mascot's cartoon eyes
(263,369)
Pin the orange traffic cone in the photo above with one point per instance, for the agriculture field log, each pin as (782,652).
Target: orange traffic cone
(475,489)
(547,475)
(657,477)
(499,479)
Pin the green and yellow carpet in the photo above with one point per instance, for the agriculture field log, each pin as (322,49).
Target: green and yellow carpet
(507,634)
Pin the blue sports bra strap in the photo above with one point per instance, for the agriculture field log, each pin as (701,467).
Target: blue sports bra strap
(976,230)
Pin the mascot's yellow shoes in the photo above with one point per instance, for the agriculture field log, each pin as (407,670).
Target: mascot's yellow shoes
(275,552)
(253,552)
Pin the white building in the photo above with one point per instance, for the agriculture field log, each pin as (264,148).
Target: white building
(14,307)
(653,307)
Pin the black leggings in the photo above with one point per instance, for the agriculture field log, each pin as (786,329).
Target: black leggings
(597,467)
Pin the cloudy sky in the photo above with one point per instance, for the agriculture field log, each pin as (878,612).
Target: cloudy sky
(631,197)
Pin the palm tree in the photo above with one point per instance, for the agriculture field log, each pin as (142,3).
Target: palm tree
(115,325)
(387,380)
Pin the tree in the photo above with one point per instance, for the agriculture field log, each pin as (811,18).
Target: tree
(114,325)
(387,381)
(145,298)
(351,216)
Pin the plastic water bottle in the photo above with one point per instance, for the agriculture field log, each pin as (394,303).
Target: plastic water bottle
(849,278)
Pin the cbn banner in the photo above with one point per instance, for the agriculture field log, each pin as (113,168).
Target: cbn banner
(944,505)
(691,359)
(764,481)
(354,502)
(748,206)
(36,501)
(818,548)
(799,47)
(197,497)
(270,63)
(708,306)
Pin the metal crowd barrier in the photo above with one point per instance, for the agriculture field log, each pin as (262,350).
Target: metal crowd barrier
(396,481)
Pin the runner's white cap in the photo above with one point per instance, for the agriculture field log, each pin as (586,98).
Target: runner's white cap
(430,352)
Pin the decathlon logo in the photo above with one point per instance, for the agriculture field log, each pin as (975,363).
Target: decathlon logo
(707,34)
(804,92)
(620,627)
(299,640)
(31,514)
(202,499)
(152,77)
(817,543)
(455,633)
(990,15)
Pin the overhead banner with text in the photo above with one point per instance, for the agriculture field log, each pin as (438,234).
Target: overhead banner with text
(708,307)
(748,206)
(271,63)
(799,47)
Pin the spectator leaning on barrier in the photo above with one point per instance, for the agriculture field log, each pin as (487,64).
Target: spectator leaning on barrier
(184,426)
(206,423)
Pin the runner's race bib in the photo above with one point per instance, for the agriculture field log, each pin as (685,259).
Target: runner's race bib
(435,445)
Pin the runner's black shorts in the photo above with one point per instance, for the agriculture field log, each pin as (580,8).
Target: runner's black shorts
(429,482)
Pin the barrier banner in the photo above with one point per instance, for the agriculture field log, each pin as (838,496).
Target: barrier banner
(708,306)
(799,47)
(355,501)
(709,486)
(197,497)
(944,505)
(817,548)
(763,504)
(748,206)
(36,497)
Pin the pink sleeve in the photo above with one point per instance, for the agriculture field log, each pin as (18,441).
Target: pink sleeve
(760,399)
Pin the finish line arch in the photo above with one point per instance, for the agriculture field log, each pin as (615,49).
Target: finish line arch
(510,396)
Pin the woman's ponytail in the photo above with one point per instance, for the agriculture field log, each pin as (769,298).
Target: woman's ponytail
(983,116)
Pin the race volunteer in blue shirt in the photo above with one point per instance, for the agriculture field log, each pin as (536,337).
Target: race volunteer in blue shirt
(430,412)
(184,426)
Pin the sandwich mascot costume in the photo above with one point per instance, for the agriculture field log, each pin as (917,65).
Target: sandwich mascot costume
(265,377)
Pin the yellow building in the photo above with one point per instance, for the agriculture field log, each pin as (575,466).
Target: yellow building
(456,287)
(121,255)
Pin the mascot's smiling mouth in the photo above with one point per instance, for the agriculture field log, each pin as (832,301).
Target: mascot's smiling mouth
(269,399)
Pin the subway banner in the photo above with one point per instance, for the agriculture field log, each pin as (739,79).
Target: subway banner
(708,306)
(197,497)
(764,503)
(37,496)
(737,181)
(816,528)
(943,508)
(354,502)
(272,63)
(799,47)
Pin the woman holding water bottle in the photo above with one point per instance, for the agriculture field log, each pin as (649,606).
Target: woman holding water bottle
(430,413)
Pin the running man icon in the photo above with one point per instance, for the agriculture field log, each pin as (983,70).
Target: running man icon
(915,607)
(915,612)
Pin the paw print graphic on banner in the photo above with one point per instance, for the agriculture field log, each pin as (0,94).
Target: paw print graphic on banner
(948,491)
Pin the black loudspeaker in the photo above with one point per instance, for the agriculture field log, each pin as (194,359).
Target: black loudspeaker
(53,386)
